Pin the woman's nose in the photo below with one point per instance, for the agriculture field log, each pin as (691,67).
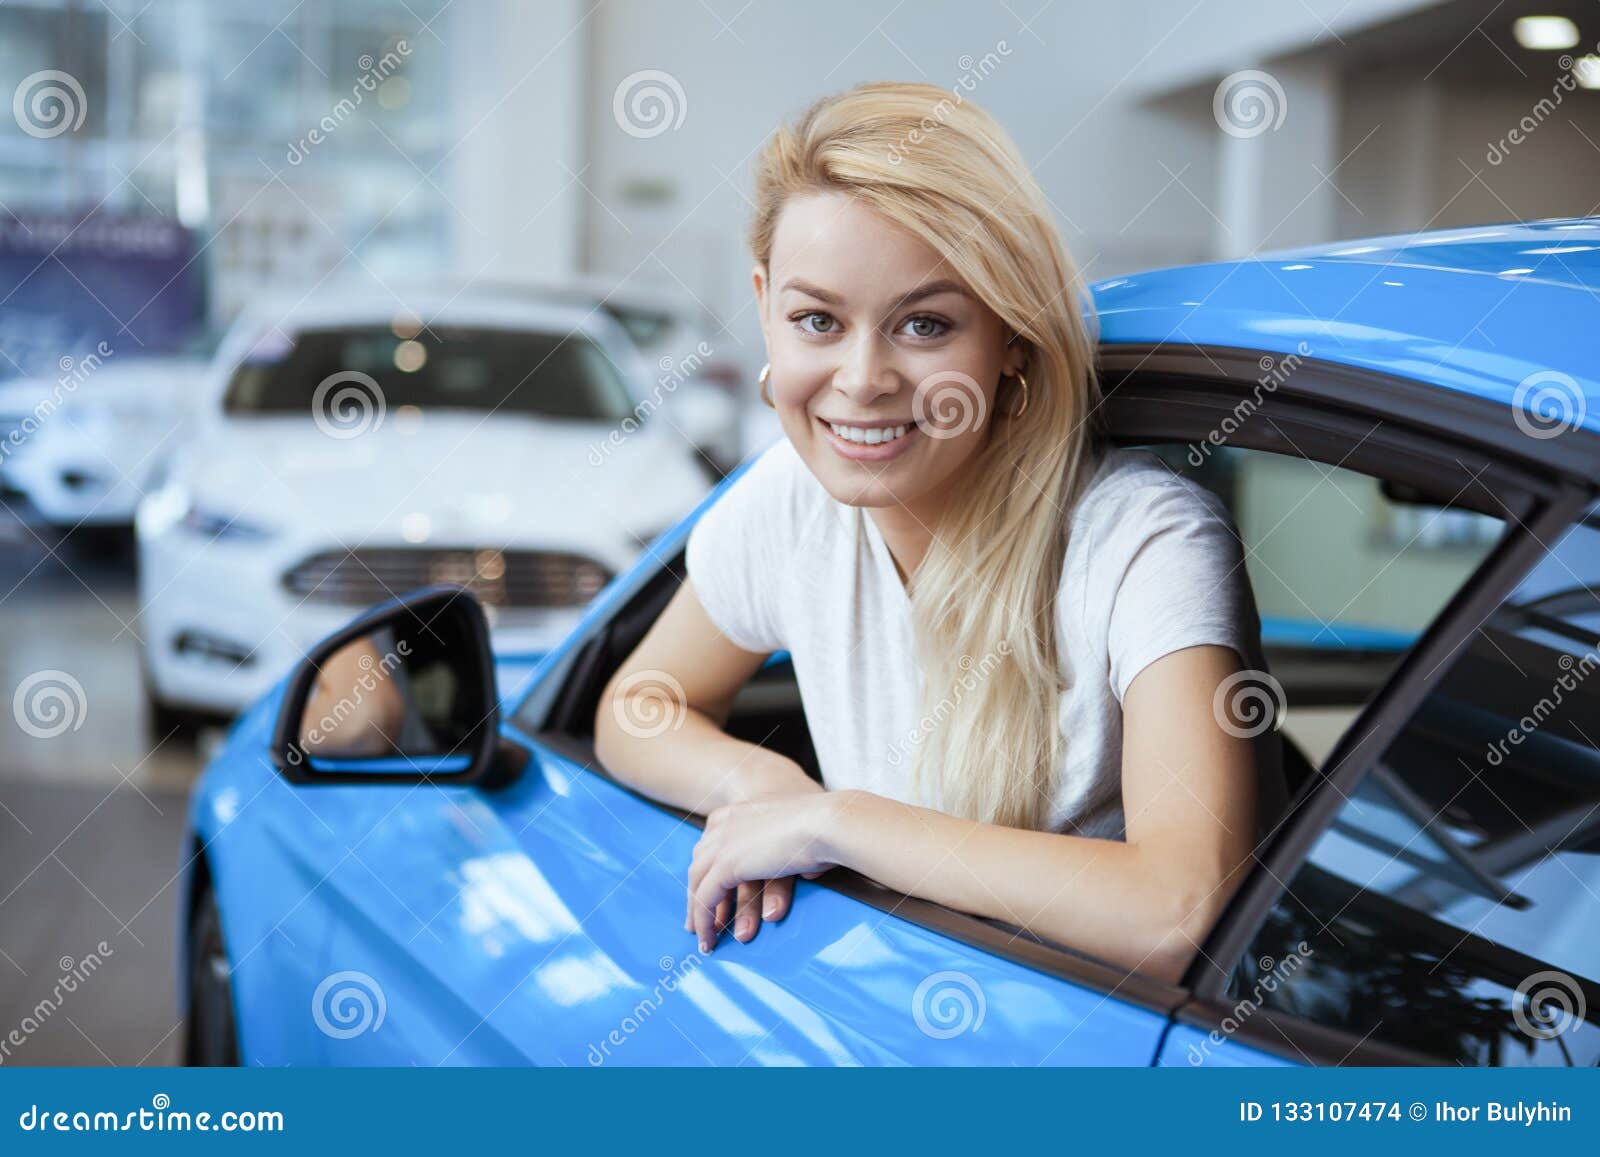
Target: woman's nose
(867,371)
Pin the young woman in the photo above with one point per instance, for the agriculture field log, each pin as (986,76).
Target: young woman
(1007,637)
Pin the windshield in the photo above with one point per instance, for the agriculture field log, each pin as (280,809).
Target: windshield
(435,367)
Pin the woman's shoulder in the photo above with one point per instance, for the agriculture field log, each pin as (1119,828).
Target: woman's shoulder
(776,490)
(1135,505)
(1135,491)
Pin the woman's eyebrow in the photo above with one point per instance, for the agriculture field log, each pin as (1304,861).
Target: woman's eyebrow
(931,289)
(810,290)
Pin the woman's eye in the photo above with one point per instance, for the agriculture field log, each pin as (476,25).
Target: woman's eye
(817,323)
(924,327)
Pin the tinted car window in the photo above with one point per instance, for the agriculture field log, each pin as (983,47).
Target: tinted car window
(505,370)
(1454,905)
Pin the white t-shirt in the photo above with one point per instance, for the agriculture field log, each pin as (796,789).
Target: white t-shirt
(1152,566)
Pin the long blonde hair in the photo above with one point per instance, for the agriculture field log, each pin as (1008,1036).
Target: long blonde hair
(983,597)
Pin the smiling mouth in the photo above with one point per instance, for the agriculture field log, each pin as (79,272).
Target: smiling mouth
(869,435)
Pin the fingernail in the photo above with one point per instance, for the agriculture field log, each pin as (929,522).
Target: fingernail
(769,908)
(705,945)
(746,929)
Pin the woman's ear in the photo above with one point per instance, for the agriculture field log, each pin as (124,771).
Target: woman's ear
(758,278)
(1016,358)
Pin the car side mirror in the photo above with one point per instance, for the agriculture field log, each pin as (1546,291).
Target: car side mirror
(404,694)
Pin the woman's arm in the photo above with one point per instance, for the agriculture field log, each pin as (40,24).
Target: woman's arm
(658,728)
(1188,791)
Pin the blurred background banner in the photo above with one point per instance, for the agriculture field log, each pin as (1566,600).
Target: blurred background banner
(141,266)
(305,303)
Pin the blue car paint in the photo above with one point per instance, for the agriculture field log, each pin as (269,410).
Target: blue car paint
(1279,631)
(1189,1047)
(395,764)
(1442,308)
(522,926)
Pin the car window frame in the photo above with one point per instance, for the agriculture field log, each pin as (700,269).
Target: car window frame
(1541,496)
(1324,413)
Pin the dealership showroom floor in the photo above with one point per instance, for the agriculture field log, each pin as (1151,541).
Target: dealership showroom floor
(90,819)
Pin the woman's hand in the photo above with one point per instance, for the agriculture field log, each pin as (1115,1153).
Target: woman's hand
(746,861)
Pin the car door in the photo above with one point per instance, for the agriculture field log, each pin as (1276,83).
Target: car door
(542,922)
(1450,913)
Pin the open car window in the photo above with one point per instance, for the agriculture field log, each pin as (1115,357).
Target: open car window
(1348,573)
(1453,908)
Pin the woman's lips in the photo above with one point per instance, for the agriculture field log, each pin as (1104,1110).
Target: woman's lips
(869,452)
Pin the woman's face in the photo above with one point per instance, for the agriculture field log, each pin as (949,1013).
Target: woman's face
(884,365)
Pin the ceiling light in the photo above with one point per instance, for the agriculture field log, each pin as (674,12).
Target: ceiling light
(1545,32)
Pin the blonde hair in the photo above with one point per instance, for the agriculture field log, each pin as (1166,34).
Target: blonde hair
(945,170)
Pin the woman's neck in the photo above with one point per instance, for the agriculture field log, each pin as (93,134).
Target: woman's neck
(907,531)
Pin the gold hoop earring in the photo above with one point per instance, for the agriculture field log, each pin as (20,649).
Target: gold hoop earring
(1023,382)
(766,374)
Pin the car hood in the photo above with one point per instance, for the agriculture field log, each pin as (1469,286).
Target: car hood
(451,479)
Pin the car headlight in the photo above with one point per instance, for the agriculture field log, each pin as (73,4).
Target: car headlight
(172,505)
(216,524)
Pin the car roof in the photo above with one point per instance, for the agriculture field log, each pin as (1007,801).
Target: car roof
(1500,312)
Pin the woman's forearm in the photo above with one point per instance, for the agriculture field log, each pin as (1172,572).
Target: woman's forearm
(693,764)
(1109,898)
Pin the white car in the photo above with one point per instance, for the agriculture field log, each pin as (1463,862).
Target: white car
(83,448)
(352,449)
(697,382)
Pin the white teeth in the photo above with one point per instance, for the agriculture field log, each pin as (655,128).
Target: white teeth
(869,436)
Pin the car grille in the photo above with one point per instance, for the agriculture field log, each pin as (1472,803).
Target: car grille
(501,578)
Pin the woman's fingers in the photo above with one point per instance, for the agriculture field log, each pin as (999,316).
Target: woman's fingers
(747,911)
(777,896)
(705,904)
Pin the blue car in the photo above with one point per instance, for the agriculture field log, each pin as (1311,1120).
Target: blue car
(1407,432)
